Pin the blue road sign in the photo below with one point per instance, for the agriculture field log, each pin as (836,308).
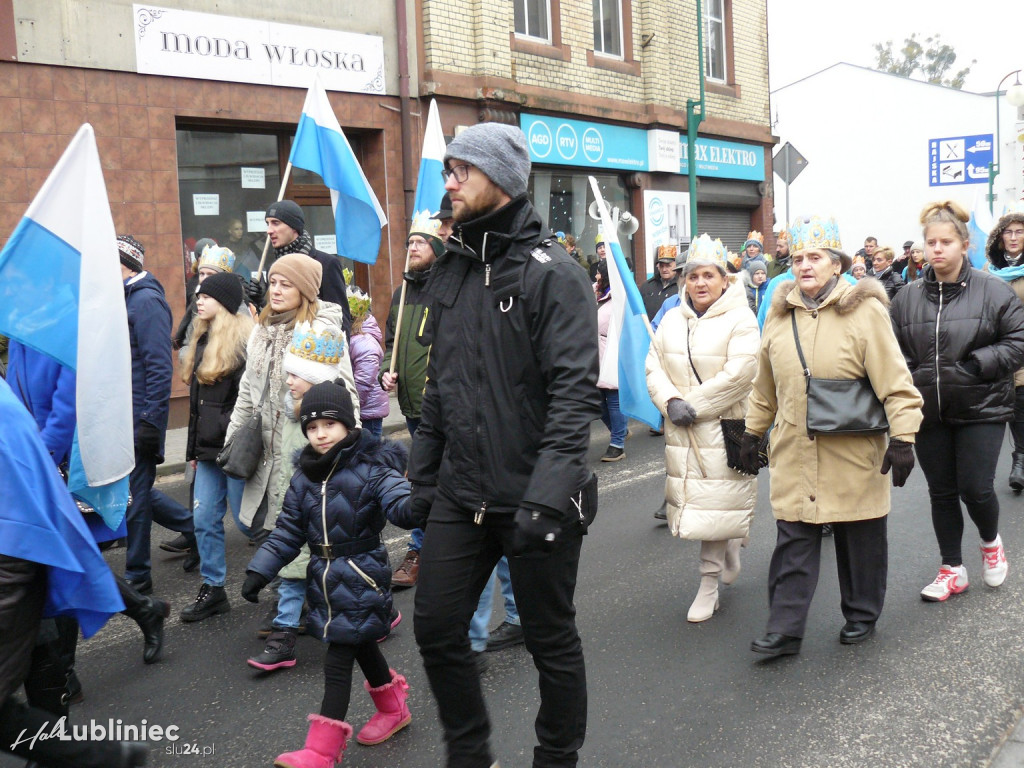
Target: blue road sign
(959,160)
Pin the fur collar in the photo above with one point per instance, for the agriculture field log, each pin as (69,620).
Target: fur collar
(845,297)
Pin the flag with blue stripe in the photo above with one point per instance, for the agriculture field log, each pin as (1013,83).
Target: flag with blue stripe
(320,146)
(629,337)
(978,227)
(62,295)
(430,184)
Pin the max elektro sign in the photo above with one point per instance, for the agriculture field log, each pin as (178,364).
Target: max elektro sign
(553,141)
(212,47)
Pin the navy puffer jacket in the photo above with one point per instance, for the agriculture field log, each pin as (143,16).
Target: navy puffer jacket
(349,594)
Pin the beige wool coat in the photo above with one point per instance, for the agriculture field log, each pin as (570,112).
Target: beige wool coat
(723,343)
(830,478)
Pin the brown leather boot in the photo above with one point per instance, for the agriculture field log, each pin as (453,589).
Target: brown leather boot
(405,575)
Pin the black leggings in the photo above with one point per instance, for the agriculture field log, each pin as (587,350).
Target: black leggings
(960,464)
(338,675)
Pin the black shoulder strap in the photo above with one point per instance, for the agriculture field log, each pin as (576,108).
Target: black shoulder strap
(689,357)
(799,349)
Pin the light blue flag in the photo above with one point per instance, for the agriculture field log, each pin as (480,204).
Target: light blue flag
(430,184)
(629,338)
(61,294)
(320,146)
(978,227)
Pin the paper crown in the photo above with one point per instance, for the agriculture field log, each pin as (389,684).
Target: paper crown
(809,232)
(668,251)
(704,250)
(858,260)
(782,237)
(422,224)
(325,347)
(753,236)
(218,258)
(358,302)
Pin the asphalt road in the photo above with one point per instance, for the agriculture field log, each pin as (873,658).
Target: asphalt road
(939,685)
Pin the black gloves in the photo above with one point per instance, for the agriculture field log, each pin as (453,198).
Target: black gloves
(899,457)
(147,439)
(255,291)
(750,461)
(536,531)
(680,412)
(420,501)
(254,582)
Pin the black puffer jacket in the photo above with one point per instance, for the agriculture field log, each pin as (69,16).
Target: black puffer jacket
(209,409)
(512,379)
(349,594)
(947,329)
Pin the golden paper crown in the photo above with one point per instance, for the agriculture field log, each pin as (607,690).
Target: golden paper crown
(810,232)
(358,302)
(216,257)
(669,251)
(422,224)
(325,347)
(706,250)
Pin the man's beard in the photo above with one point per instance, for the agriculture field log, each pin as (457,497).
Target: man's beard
(488,201)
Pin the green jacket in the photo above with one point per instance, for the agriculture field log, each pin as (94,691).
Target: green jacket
(412,356)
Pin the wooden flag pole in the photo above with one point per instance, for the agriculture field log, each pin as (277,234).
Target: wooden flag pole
(401,311)
(280,197)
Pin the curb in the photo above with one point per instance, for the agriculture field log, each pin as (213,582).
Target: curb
(170,468)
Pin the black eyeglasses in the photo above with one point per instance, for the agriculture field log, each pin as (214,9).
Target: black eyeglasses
(460,172)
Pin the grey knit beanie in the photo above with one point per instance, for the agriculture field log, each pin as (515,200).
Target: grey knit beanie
(498,150)
(289,212)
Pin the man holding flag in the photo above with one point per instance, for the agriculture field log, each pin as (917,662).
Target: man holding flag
(499,459)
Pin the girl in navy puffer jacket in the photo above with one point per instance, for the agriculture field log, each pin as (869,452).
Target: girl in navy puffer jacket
(348,484)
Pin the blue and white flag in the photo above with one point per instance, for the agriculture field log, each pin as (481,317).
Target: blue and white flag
(978,227)
(629,339)
(321,147)
(430,184)
(61,294)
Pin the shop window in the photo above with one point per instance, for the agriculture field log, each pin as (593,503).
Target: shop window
(562,198)
(608,27)
(533,19)
(226,181)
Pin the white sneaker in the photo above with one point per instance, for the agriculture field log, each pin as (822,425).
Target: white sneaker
(993,563)
(950,581)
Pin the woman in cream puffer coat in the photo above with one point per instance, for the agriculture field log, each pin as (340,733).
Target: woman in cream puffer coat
(721,342)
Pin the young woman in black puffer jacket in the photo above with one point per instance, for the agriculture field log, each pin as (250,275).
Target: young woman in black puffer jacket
(348,485)
(961,331)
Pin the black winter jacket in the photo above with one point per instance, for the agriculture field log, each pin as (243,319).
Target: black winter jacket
(209,409)
(512,378)
(654,293)
(977,321)
(891,281)
(349,593)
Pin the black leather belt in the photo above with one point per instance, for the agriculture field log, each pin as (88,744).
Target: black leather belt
(347,549)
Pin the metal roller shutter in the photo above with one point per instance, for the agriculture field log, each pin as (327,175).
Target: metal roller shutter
(730,225)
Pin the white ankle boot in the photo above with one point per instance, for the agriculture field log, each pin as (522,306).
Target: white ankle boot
(706,602)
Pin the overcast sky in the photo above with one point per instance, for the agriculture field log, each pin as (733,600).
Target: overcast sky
(806,36)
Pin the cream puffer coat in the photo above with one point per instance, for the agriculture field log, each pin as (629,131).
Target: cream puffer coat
(723,343)
(831,478)
(260,359)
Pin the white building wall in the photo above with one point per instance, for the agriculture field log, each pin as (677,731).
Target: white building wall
(865,135)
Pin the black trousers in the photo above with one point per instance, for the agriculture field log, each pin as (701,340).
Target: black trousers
(1017,425)
(960,464)
(862,562)
(455,563)
(338,675)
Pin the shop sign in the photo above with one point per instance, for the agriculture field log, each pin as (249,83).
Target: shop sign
(666,221)
(663,150)
(552,141)
(208,46)
(724,159)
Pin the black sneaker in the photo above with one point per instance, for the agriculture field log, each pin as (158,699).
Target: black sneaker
(209,602)
(505,636)
(613,454)
(178,545)
(279,653)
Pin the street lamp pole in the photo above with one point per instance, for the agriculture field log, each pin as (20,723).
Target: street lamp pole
(693,121)
(1014,95)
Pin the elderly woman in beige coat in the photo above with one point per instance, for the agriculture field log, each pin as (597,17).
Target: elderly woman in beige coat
(699,370)
(839,479)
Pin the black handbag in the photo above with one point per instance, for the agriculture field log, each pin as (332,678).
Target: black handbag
(732,430)
(840,406)
(241,453)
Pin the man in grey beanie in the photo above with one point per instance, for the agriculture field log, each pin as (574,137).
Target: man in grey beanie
(498,464)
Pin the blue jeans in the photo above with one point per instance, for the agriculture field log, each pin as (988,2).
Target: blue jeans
(148,506)
(213,491)
(416,534)
(374,426)
(291,594)
(478,624)
(613,418)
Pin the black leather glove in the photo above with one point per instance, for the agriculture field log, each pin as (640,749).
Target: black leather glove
(147,439)
(680,412)
(254,582)
(421,499)
(255,291)
(749,459)
(536,531)
(899,457)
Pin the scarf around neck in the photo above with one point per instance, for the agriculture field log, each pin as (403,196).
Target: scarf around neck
(301,244)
